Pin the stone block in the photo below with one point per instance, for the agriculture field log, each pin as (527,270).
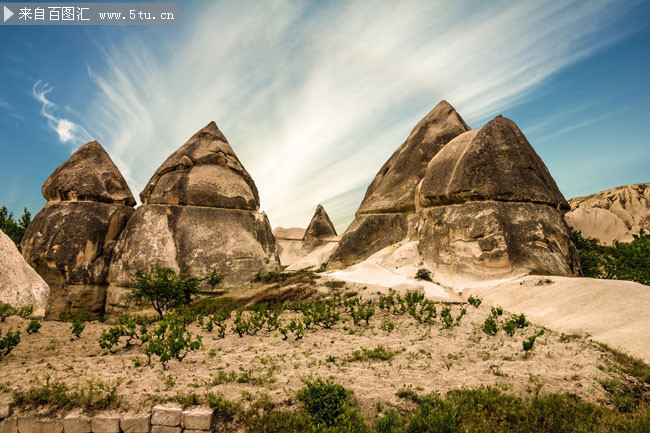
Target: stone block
(5,411)
(165,429)
(197,419)
(75,423)
(136,423)
(106,424)
(33,425)
(166,416)
(9,425)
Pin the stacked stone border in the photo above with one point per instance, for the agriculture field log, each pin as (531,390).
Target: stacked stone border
(161,419)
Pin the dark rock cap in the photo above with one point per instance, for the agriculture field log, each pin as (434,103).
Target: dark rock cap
(88,175)
(203,172)
(320,227)
(495,162)
(393,189)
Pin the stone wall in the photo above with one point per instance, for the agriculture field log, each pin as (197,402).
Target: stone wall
(161,419)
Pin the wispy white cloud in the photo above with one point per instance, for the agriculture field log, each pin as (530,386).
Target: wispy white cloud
(68,131)
(315,96)
(4,104)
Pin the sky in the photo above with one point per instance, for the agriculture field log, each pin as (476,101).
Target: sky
(315,96)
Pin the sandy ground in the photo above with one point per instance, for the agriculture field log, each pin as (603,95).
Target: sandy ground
(610,311)
(428,359)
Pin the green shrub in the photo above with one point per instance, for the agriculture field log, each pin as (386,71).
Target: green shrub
(34,326)
(170,339)
(529,343)
(474,301)
(12,228)
(164,288)
(77,319)
(94,396)
(389,422)
(8,342)
(490,326)
(423,274)
(224,410)
(435,416)
(622,260)
(378,353)
(214,278)
(6,311)
(330,405)
(387,325)
(26,311)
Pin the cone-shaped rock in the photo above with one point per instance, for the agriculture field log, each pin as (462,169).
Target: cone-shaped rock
(320,227)
(203,172)
(616,214)
(89,175)
(20,285)
(490,209)
(199,212)
(389,203)
(495,162)
(70,241)
(393,188)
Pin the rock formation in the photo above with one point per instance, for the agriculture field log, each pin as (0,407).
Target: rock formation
(615,214)
(200,210)
(389,204)
(70,241)
(307,248)
(320,227)
(479,204)
(20,285)
(490,209)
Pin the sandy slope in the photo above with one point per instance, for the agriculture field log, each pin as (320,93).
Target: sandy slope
(612,312)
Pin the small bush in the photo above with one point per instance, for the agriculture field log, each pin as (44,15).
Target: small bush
(490,326)
(423,274)
(224,410)
(170,339)
(378,353)
(8,342)
(474,301)
(214,278)
(6,311)
(34,326)
(164,289)
(529,343)
(387,325)
(330,405)
(26,311)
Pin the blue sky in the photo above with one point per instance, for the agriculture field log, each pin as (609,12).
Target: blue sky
(315,96)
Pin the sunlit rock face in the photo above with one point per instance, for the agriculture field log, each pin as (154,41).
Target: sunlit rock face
(383,216)
(20,285)
(480,204)
(70,241)
(200,211)
(616,214)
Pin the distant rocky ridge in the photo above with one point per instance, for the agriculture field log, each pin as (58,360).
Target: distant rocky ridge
(307,248)
(200,211)
(480,204)
(70,241)
(616,214)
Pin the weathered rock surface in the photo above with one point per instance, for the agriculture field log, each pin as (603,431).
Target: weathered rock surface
(382,217)
(203,172)
(490,209)
(393,188)
(70,241)
(495,162)
(487,240)
(200,211)
(89,175)
(615,214)
(20,285)
(320,227)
